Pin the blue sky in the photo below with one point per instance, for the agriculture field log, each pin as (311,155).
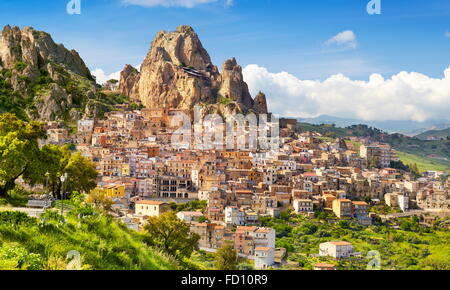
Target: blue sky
(293,36)
(283,35)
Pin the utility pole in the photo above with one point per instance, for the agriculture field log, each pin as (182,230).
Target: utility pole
(63,179)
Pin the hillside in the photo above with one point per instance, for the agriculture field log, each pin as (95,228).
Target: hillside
(435,134)
(408,247)
(409,128)
(430,154)
(36,244)
(43,80)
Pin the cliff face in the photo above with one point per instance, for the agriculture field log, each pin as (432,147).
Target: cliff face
(52,80)
(178,73)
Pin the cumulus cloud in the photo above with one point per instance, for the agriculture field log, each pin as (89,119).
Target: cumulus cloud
(404,96)
(102,77)
(172,3)
(344,39)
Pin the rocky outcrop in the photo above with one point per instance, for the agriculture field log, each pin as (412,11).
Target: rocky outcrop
(129,82)
(233,86)
(55,78)
(178,73)
(37,49)
(260,103)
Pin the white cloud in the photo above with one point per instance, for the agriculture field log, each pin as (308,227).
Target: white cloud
(102,77)
(344,39)
(447,34)
(405,96)
(173,3)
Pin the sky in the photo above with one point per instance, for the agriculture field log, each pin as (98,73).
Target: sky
(311,57)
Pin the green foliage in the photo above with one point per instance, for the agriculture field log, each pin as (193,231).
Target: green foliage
(104,244)
(225,101)
(19,258)
(20,151)
(171,235)
(20,66)
(412,247)
(226,258)
(195,205)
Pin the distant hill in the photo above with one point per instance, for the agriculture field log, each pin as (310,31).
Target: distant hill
(435,134)
(432,152)
(410,128)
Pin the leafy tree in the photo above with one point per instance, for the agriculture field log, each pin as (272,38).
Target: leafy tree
(226,258)
(99,198)
(172,235)
(373,162)
(81,173)
(19,151)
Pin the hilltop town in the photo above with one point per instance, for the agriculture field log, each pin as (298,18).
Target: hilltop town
(309,174)
(264,200)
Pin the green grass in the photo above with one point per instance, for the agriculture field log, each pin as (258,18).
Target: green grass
(425,249)
(424,164)
(103,243)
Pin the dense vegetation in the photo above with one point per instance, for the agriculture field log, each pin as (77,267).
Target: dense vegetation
(53,242)
(411,247)
(22,157)
(440,134)
(412,149)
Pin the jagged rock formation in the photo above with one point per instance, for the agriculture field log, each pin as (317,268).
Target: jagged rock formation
(260,103)
(52,81)
(129,82)
(178,73)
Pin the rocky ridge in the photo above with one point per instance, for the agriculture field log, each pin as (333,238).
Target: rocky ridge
(178,73)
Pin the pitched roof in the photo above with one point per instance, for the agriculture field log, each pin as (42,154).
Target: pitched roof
(150,202)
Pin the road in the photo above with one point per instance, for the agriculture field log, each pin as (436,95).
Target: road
(33,212)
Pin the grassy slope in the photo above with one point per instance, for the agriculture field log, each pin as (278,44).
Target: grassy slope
(423,163)
(399,250)
(103,243)
(410,150)
(435,133)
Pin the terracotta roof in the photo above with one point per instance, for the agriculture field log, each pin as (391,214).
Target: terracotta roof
(265,249)
(324,265)
(359,203)
(340,243)
(150,202)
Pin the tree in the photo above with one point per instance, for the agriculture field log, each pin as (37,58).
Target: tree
(226,258)
(100,199)
(57,161)
(19,151)
(373,162)
(172,235)
(415,171)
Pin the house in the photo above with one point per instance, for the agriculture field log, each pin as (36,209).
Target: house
(211,235)
(337,250)
(151,208)
(342,208)
(234,216)
(264,257)
(303,206)
(360,212)
(190,216)
(324,267)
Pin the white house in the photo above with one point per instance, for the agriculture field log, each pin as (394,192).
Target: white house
(264,257)
(189,216)
(337,250)
(234,216)
(303,205)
